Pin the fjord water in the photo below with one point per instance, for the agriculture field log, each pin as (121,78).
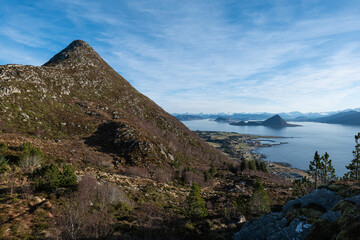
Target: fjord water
(302,142)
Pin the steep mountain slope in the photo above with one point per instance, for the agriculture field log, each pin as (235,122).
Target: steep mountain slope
(350,118)
(77,95)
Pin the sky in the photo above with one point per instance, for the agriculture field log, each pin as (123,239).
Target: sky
(204,56)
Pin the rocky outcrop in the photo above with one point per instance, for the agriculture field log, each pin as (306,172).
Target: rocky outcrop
(318,215)
(323,198)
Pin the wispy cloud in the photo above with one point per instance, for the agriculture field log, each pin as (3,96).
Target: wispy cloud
(216,56)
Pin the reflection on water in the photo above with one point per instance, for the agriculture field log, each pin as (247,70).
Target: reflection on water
(336,139)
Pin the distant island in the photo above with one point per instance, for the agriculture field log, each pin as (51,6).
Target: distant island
(274,121)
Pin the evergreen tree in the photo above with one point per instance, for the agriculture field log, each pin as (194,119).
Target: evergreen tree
(68,177)
(252,165)
(354,166)
(244,164)
(327,170)
(263,166)
(47,178)
(259,202)
(315,167)
(195,203)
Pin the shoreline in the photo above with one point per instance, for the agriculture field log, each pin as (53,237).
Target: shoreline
(237,145)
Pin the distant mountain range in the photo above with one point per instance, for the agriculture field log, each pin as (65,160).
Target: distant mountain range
(274,121)
(348,116)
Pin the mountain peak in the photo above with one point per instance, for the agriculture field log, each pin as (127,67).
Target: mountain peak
(276,121)
(77,53)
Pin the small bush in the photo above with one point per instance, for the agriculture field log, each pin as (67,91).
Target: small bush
(29,149)
(3,147)
(211,173)
(49,178)
(3,164)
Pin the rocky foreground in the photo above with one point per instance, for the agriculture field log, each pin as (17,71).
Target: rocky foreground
(331,212)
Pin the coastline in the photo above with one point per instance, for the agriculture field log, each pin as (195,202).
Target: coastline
(235,145)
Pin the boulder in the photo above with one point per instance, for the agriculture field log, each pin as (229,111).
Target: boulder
(322,197)
(274,227)
(354,199)
(331,216)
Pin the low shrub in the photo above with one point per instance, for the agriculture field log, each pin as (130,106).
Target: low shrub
(29,149)
(3,164)
(49,178)
(3,147)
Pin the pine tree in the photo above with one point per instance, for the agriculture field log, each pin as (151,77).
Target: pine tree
(315,167)
(354,166)
(327,170)
(68,177)
(263,167)
(47,178)
(244,164)
(195,203)
(252,165)
(259,201)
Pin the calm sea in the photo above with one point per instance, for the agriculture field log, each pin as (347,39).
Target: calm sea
(302,142)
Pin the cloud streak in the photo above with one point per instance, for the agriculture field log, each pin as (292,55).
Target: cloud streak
(221,56)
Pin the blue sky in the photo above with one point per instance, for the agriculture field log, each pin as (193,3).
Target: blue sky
(204,56)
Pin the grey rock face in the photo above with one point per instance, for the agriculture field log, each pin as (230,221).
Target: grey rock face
(322,197)
(331,216)
(354,199)
(266,225)
(273,227)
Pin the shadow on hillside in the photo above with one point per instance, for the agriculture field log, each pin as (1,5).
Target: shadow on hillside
(103,138)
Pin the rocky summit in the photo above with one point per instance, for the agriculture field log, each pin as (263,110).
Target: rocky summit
(77,95)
